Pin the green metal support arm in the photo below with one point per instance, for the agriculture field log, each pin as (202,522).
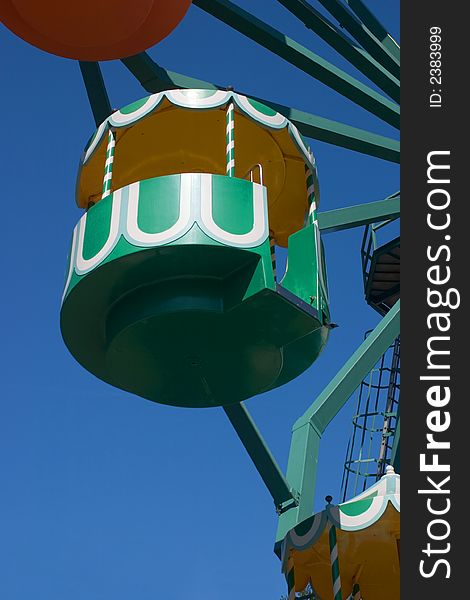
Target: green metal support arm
(260,454)
(96,91)
(358,57)
(373,24)
(308,429)
(356,216)
(155,79)
(367,40)
(301,57)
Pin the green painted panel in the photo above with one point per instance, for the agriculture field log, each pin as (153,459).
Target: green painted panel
(130,108)
(353,509)
(302,269)
(262,108)
(159,207)
(96,234)
(233,205)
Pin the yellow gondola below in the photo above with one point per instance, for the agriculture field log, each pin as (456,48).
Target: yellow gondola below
(367,536)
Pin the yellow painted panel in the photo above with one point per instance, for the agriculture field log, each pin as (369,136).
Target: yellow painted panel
(368,556)
(175,140)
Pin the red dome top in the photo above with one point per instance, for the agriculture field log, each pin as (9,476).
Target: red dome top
(93,29)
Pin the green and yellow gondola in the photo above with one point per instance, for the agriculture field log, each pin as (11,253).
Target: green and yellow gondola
(350,551)
(170,290)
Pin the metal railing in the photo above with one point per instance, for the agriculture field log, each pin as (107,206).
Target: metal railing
(251,171)
(370,243)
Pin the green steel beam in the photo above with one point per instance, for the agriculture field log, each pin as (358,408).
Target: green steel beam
(374,26)
(96,91)
(336,393)
(360,32)
(260,454)
(302,58)
(358,57)
(356,216)
(156,79)
(301,475)
(340,134)
(308,429)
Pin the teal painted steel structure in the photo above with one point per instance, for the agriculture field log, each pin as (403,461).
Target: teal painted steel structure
(302,58)
(358,57)
(356,216)
(363,35)
(374,26)
(261,456)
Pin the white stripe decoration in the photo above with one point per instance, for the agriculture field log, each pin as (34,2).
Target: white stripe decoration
(258,233)
(108,165)
(134,233)
(334,559)
(230,140)
(83,265)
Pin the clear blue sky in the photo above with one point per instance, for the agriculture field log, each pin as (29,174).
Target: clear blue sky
(104,495)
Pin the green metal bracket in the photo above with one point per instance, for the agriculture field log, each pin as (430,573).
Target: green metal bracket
(261,456)
(96,91)
(360,32)
(155,79)
(373,24)
(358,57)
(304,59)
(356,216)
(308,429)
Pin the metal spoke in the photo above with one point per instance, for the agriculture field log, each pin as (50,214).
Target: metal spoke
(358,57)
(374,25)
(96,90)
(356,216)
(360,32)
(302,58)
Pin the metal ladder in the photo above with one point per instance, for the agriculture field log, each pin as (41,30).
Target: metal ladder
(374,424)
